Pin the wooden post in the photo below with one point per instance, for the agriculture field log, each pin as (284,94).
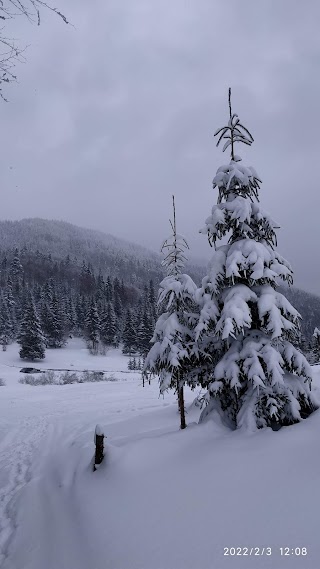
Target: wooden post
(98,441)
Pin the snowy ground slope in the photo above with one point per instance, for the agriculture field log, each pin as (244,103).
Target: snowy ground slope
(163,499)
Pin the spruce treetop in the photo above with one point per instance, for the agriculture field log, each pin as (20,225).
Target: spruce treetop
(177,285)
(176,245)
(233,132)
(227,176)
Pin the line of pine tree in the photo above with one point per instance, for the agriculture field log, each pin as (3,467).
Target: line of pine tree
(135,364)
(104,311)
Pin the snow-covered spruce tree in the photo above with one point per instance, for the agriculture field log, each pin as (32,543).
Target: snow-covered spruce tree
(259,379)
(71,316)
(16,273)
(152,300)
(316,345)
(145,332)
(108,331)
(31,338)
(129,335)
(92,324)
(169,357)
(6,324)
(11,305)
(52,324)
(57,336)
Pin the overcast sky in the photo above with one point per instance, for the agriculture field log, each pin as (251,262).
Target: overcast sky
(113,116)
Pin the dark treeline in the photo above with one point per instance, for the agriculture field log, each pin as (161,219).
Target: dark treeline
(71,296)
(44,301)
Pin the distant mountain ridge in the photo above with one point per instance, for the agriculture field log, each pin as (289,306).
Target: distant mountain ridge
(111,255)
(120,258)
(62,238)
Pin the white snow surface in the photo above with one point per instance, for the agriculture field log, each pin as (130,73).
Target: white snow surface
(162,498)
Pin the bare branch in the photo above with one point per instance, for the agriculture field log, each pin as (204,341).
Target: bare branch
(11,54)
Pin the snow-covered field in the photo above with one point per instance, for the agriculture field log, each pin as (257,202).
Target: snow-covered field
(163,498)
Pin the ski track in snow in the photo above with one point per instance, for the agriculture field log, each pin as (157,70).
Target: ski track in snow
(44,432)
(64,542)
(16,453)
(45,448)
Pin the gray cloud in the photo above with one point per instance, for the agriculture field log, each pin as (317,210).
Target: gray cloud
(112,117)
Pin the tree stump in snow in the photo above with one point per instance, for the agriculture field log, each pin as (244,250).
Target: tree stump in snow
(98,440)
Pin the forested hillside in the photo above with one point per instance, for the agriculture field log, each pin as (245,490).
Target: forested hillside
(58,243)
(308,305)
(59,240)
(88,283)
(81,282)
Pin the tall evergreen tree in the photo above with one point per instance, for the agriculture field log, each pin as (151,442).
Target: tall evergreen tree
(144,333)
(52,314)
(80,312)
(87,280)
(109,290)
(170,354)
(16,273)
(315,346)
(7,327)
(71,315)
(100,288)
(93,326)
(47,291)
(108,330)
(256,377)
(3,271)
(118,308)
(152,300)
(31,338)
(11,306)
(56,336)
(129,335)
(45,319)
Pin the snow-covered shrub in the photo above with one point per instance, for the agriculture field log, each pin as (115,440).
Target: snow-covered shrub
(2,382)
(255,376)
(28,379)
(112,377)
(91,376)
(68,377)
(51,377)
(46,378)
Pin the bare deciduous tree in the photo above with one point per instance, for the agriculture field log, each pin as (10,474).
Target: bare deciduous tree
(10,51)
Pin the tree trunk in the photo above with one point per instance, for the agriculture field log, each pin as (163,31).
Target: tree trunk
(181,407)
